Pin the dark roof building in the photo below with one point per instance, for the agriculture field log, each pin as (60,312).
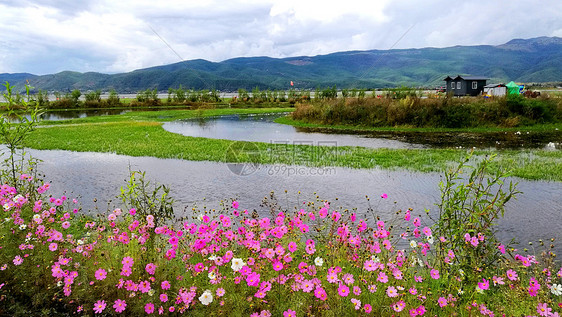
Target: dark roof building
(465,85)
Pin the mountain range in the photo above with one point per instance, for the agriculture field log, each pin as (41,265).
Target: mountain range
(521,60)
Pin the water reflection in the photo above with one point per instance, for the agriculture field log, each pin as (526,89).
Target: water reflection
(533,215)
(261,128)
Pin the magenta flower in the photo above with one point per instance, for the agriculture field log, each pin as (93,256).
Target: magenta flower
(53,246)
(368,308)
(144,286)
(277,265)
(292,246)
(384,196)
(164,297)
(501,247)
(442,302)
(289,313)
(320,293)
(165,285)
(128,261)
(149,308)
(484,285)
(511,275)
(434,274)
(150,268)
(343,290)
(99,306)
(100,274)
(119,306)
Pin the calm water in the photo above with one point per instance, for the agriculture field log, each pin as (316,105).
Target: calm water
(535,214)
(261,128)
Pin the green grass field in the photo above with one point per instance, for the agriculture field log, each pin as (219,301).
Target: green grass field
(141,134)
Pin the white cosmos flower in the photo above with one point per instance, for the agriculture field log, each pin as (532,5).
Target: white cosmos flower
(430,239)
(413,244)
(212,275)
(206,298)
(237,264)
(22,227)
(556,289)
(318,261)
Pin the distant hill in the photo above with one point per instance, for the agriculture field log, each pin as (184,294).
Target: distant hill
(522,60)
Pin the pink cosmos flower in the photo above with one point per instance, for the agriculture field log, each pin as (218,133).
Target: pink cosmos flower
(501,247)
(150,268)
(119,306)
(320,293)
(165,285)
(498,280)
(399,306)
(128,261)
(277,266)
(144,286)
(100,274)
(289,313)
(99,306)
(126,271)
(368,308)
(391,291)
(382,277)
(292,246)
(484,285)
(442,302)
(53,246)
(149,308)
(434,274)
(384,196)
(164,297)
(220,292)
(343,290)
(543,309)
(511,275)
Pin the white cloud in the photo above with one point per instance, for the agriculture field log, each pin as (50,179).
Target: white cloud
(117,36)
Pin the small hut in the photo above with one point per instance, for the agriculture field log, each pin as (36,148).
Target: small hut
(465,85)
(495,90)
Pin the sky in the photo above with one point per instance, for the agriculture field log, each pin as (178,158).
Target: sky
(49,36)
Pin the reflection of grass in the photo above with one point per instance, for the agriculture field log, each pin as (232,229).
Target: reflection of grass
(144,137)
(166,115)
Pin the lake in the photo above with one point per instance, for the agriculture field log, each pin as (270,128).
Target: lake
(98,176)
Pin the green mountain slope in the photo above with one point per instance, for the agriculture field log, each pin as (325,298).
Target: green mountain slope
(530,60)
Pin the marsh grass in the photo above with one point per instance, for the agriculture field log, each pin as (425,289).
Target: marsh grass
(148,138)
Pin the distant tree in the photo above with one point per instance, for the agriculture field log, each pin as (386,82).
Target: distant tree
(113,99)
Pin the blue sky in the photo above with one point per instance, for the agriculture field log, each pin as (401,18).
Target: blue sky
(50,36)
